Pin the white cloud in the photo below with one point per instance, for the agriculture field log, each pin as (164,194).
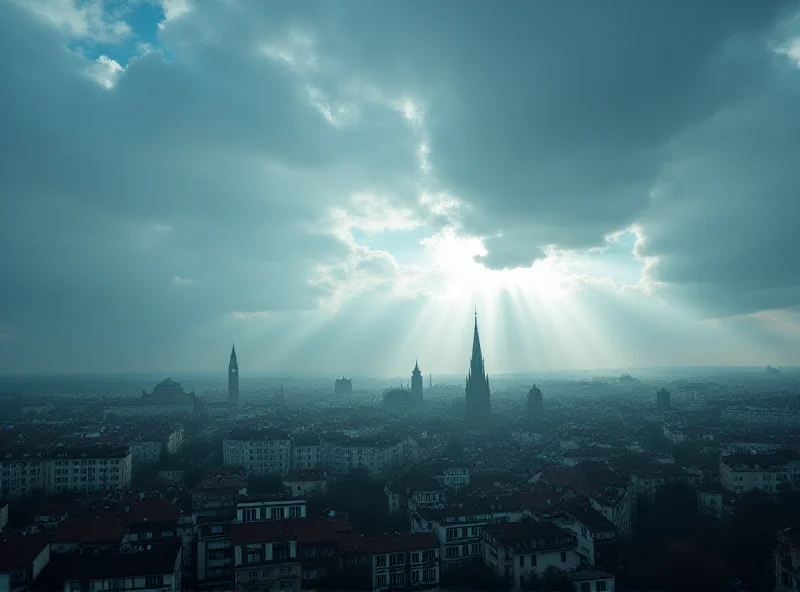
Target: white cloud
(183,282)
(104,72)
(80,19)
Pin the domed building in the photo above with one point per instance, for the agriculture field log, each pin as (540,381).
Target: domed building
(168,399)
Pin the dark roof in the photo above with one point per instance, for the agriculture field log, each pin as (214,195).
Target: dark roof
(160,559)
(543,534)
(400,543)
(588,516)
(315,530)
(152,510)
(92,530)
(582,576)
(305,475)
(18,552)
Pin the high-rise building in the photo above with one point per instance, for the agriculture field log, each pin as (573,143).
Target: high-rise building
(662,399)
(416,385)
(233,379)
(479,405)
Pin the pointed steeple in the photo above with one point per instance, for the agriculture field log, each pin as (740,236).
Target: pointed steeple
(416,365)
(233,353)
(477,356)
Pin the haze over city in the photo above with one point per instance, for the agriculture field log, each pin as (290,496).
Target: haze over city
(399,296)
(336,186)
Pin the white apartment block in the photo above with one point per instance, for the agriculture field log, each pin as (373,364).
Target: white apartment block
(771,473)
(65,469)
(259,452)
(147,449)
(520,551)
(307,452)
(378,457)
(789,418)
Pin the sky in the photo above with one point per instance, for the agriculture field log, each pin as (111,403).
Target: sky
(337,186)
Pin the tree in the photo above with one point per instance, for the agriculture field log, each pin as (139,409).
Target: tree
(455,448)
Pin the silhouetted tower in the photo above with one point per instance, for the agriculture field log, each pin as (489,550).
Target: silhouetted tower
(535,402)
(479,404)
(662,399)
(233,379)
(416,384)
(430,382)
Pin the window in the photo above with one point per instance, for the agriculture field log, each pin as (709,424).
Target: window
(451,551)
(251,514)
(415,557)
(253,556)
(154,581)
(380,581)
(601,586)
(380,560)
(414,577)
(563,556)
(452,533)
(397,579)
(428,556)
(533,560)
(586,587)
(429,575)
(522,561)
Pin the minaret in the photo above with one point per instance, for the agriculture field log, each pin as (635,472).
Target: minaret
(479,405)
(233,379)
(416,385)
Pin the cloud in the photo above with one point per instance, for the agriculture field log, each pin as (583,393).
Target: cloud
(303,162)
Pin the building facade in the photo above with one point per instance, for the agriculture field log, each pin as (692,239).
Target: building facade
(258,452)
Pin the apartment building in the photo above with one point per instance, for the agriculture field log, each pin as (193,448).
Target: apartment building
(409,561)
(64,469)
(258,452)
(265,556)
(378,456)
(771,473)
(258,508)
(524,550)
(307,452)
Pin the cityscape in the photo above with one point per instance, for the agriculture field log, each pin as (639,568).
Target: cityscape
(399,296)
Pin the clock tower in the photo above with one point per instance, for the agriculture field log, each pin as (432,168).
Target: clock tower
(233,380)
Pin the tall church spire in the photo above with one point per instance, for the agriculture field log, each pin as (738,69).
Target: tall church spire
(478,401)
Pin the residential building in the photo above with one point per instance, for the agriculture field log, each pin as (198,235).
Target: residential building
(519,551)
(378,456)
(259,508)
(62,469)
(307,452)
(217,497)
(157,567)
(215,556)
(22,559)
(593,581)
(771,473)
(258,452)
(404,562)
(787,560)
(265,556)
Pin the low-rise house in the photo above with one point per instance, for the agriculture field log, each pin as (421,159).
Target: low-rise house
(522,551)
(710,500)
(217,496)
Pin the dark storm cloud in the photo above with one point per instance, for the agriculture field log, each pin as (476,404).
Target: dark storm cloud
(556,122)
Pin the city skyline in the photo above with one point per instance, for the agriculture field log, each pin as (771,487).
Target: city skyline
(307,182)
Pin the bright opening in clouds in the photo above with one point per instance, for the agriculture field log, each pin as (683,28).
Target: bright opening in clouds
(335,186)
